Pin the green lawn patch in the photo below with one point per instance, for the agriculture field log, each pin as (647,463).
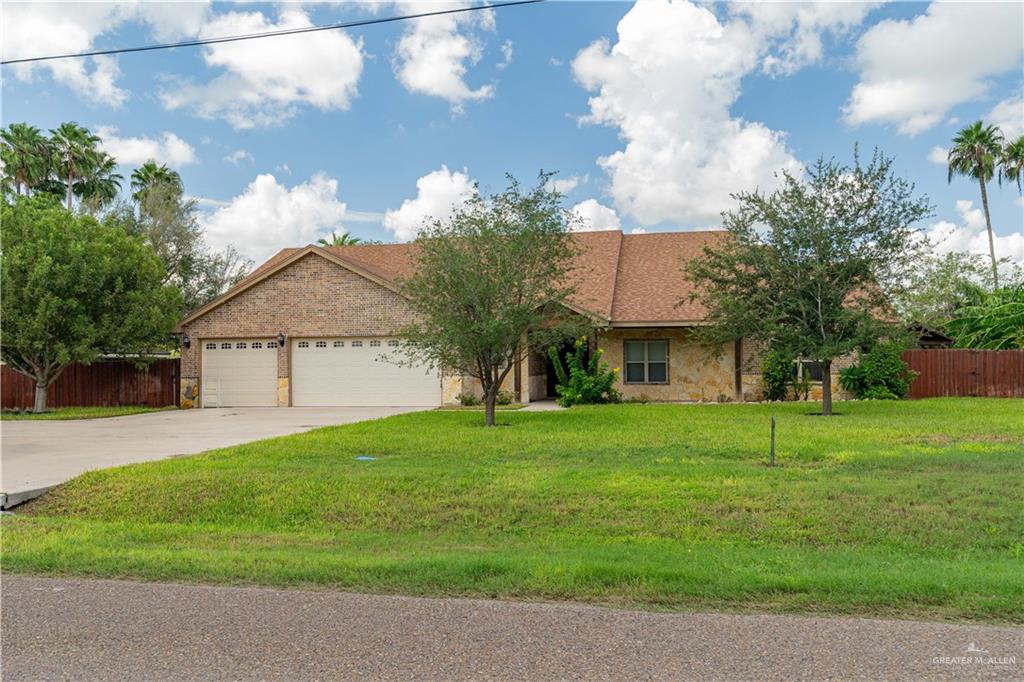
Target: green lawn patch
(907,509)
(83,412)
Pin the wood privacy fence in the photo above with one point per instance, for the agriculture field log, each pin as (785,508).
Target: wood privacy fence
(107,383)
(955,372)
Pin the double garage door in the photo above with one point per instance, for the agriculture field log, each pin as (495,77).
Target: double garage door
(324,372)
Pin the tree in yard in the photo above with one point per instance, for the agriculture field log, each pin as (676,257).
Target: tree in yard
(74,155)
(490,284)
(101,183)
(72,289)
(975,152)
(942,285)
(151,173)
(1011,163)
(995,323)
(343,239)
(805,268)
(25,153)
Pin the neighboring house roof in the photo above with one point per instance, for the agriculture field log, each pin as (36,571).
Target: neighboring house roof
(621,279)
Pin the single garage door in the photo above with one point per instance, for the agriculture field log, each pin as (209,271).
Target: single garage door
(356,372)
(239,373)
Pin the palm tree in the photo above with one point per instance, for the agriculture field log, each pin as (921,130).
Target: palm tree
(974,154)
(74,153)
(1011,163)
(101,182)
(25,153)
(151,173)
(343,239)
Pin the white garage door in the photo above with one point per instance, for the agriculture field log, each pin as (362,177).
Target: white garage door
(239,373)
(354,372)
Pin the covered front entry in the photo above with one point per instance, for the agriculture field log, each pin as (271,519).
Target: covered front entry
(359,372)
(239,373)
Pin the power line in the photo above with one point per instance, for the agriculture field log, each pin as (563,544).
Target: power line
(270,34)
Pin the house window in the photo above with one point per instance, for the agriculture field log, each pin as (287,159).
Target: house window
(272,344)
(339,344)
(303,344)
(211,346)
(647,362)
(357,344)
(375,344)
(226,346)
(256,345)
(807,369)
(321,344)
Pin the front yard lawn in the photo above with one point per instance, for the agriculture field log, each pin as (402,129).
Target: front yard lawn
(83,412)
(908,509)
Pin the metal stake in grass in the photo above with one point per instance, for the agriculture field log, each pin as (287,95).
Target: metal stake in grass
(771,456)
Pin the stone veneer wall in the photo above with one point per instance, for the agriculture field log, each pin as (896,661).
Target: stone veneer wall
(695,373)
(311,297)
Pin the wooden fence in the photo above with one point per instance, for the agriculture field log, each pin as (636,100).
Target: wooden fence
(954,372)
(102,384)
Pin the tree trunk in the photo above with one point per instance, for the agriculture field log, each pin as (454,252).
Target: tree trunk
(40,402)
(988,223)
(826,388)
(70,192)
(490,398)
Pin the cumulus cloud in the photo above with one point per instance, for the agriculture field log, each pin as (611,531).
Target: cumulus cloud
(1009,116)
(33,29)
(265,81)
(167,149)
(566,185)
(438,195)
(914,71)
(595,217)
(506,54)
(939,155)
(667,84)
(238,156)
(970,235)
(269,216)
(434,53)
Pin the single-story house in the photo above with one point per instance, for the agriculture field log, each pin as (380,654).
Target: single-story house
(313,326)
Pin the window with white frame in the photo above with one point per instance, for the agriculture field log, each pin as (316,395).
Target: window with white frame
(393,343)
(211,346)
(240,346)
(303,344)
(339,344)
(256,345)
(321,344)
(375,344)
(357,344)
(646,362)
(226,346)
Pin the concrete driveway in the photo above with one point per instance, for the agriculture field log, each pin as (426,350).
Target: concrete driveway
(40,454)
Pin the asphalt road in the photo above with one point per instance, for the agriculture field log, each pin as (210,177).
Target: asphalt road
(111,630)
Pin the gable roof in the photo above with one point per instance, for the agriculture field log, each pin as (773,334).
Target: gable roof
(622,279)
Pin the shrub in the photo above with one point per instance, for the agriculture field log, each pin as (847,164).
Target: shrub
(504,397)
(776,375)
(880,374)
(583,383)
(468,400)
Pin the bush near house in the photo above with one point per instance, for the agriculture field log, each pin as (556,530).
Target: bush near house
(880,374)
(583,382)
(776,375)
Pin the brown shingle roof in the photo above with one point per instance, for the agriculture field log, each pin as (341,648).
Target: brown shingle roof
(635,278)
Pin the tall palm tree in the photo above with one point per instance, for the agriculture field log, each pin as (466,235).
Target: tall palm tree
(1011,163)
(101,182)
(151,173)
(74,153)
(976,150)
(343,239)
(25,153)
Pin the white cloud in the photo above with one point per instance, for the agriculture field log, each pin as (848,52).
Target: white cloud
(913,71)
(269,216)
(167,149)
(438,195)
(667,85)
(265,81)
(638,230)
(506,54)
(45,28)
(939,155)
(238,156)
(1009,116)
(595,217)
(566,185)
(434,53)
(970,235)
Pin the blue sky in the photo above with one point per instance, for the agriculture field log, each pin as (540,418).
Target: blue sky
(651,114)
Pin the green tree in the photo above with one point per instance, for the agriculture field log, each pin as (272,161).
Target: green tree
(343,239)
(72,289)
(1011,163)
(151,173)
(941,286)
(996,323)
(804,268)
(25,153)
(976,150)
(75,154)
(491,284)
(100,184)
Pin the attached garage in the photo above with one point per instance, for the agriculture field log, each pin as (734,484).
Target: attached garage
(359,372)
(239,373)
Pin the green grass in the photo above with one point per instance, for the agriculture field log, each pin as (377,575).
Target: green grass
(905,509)
(83,412)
